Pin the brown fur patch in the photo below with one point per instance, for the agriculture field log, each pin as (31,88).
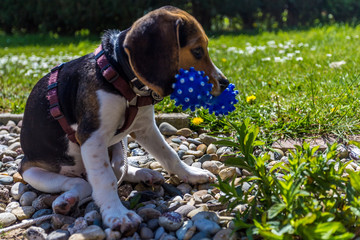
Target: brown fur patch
(133,135)
(29,164)
(106,164)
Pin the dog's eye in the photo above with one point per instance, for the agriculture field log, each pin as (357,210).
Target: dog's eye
(198,52)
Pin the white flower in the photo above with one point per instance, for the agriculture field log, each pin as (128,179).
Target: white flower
(266,59)
(290,55)
(337,64)
(14,59)
(329,55)
(313,48)
(29,72)
(297,51)
(281,51)
(44,65)
(3,60)
(272,42)
(299,59)
(348,37)
(250,50)
(278,59)
(232,49)
(318,65)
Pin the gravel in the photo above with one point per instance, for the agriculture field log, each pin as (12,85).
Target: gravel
(173,210)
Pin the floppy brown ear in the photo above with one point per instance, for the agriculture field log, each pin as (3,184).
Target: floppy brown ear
(152,45)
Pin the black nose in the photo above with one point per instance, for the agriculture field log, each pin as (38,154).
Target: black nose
(223,84)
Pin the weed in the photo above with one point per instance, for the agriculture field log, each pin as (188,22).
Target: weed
(313,196)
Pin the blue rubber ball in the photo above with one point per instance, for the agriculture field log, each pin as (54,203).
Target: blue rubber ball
(192,90)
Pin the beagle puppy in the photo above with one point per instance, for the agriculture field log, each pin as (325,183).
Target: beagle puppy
(151,52)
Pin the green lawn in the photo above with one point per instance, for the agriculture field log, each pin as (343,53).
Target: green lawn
(299,89)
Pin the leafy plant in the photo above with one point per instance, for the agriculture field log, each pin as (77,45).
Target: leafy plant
(312,196)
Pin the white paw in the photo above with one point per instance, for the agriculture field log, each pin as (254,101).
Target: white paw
(195,175)
(145,175)
(123,220)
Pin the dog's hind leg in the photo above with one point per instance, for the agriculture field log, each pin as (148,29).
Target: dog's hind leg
(74,189)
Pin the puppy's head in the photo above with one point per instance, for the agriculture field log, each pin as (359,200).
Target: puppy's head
(165,40)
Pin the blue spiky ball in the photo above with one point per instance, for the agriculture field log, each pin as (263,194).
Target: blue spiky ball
(192,90)
(224,103)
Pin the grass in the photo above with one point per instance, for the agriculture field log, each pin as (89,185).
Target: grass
(297,91)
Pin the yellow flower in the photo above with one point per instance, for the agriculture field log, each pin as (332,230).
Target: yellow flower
(250,98)
(223,60)
(333,109)
(197,121)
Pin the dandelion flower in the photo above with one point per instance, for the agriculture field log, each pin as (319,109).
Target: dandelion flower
(223,60)
(197,120)
(250,98)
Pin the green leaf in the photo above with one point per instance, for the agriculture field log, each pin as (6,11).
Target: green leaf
(240,224)
(227,143)
(308,219)
(355,211)
(268,235)
(356,143)
(276,209)
(276,166)
(344,236)
(258,143)
(134,201)
(238,162)
(287,229)
(354,180)
(327,229)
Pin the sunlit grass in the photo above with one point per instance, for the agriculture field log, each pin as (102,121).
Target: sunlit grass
(291,83)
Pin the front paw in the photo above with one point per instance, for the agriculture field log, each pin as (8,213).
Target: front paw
(195,175)
(125,221)
(145,175)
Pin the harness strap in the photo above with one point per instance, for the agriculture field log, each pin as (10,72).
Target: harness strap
(110,74)
(54,107)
